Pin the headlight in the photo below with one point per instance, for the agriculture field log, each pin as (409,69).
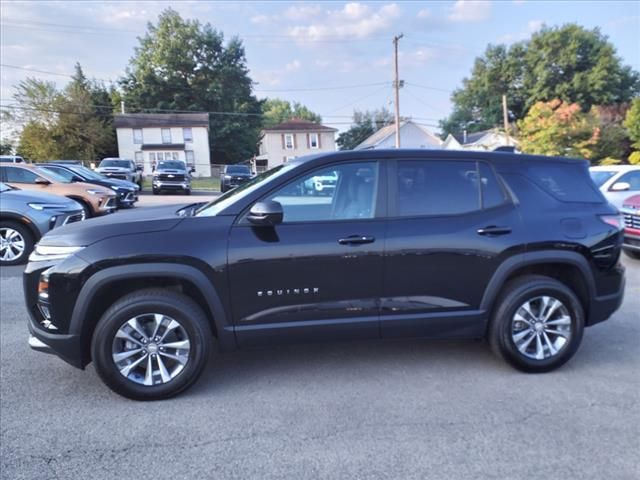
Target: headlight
(96,192)
(42,206)
(113,187)
(45,252)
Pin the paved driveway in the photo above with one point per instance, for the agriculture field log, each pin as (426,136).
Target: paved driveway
(396,409)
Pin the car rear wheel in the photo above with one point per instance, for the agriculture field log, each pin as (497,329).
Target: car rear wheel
(151,344)
(16,243)
(537,324)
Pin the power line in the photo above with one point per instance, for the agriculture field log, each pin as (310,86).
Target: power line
(428,87)
(423,102)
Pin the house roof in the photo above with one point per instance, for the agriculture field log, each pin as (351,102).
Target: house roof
(298,124)
(146,120)
(390,130)
(471,137)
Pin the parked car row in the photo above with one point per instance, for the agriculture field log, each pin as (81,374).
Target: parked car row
(36,198)
(620,184)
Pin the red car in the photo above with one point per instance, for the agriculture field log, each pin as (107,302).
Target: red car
(631,211)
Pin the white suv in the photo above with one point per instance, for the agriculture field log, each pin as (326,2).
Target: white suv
(617,182)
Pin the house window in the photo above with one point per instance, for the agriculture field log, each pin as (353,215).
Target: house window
(137,136)
(152,157)
(189,156)
(174,156)
(139,158)
(166,135)
(289,143)
(313,140)
(187,134)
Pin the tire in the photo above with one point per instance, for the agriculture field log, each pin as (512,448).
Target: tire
(19,244)
(187,192)
(193,326)
(222,188)
(632,254)
(505,329)
(88,211)
(156,191)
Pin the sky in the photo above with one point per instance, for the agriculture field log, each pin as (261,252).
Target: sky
(333,57)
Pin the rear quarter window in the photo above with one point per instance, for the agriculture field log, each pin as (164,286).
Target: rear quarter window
(564,181)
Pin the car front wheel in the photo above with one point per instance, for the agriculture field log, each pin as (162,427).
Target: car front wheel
(537,324)
(151,344)
(632,254)
(16,243)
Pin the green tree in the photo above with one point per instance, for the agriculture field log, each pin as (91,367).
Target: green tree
(181,65)
(632,123)
(6,148)
(276,110)
(559,129)
(570,63)
(364,125)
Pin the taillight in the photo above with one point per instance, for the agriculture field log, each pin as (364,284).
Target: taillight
(616,221)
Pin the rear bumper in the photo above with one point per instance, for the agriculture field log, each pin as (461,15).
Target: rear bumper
(604,306)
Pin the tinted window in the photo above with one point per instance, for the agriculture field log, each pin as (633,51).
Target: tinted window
(171,165)
(599,177)
(343,192)
(238,169)
(19,175)
(568,182)
(492,192)
(633,179)
(50,175)
(116,163)
(437,187)
(60,172)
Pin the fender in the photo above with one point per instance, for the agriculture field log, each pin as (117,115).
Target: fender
(518,261)
(15,217)
(226,336)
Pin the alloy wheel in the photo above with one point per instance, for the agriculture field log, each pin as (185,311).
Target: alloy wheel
(541,327)
(151,349)
(12,244)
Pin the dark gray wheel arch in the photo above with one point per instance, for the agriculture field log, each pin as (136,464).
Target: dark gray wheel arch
(103,278)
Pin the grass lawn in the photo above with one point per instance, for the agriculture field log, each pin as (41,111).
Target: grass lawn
(203,183)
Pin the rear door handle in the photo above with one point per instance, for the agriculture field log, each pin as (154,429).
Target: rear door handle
(493,230)
(356,240)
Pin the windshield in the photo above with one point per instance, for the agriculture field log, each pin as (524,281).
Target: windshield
(4,187)
(223,201)
(115,163)
(85,172)
(173,165)
(599,177)
(238,169)
(51,175)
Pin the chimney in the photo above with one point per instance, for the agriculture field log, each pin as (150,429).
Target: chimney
(464,136)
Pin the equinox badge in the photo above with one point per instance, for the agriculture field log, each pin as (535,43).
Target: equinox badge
(289,291)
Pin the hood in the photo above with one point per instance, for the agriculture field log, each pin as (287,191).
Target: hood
(113,169)
(122,183)
(170,170)
(144,220)
(30,196)
(632,202)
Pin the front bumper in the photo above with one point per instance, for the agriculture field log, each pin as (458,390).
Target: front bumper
(165,185)
(631,240)
(66,346)
(126,199)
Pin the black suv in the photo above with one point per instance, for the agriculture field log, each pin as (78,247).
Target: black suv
(233,175)
(520,249)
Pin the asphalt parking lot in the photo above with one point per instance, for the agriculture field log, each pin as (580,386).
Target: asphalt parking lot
(395,409)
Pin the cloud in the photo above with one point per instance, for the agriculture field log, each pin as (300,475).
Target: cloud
(302,12)
(534,25)
(293,66)
(424,13)
(353,20)
(470,11)
(260,19)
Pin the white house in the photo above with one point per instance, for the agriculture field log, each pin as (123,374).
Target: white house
(412,135)
(150,137)
(292,139)
(486,140)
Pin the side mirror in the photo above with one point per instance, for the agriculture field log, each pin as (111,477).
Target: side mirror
(77,179)
(42,181)
(620,187)
(266,213)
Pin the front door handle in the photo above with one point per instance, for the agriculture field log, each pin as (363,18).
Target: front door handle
(356,240)
(492,230)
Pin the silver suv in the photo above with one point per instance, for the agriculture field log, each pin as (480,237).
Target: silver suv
(121,169)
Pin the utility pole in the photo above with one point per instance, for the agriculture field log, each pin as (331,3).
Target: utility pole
(396,85)
(122,106)
(505,117)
